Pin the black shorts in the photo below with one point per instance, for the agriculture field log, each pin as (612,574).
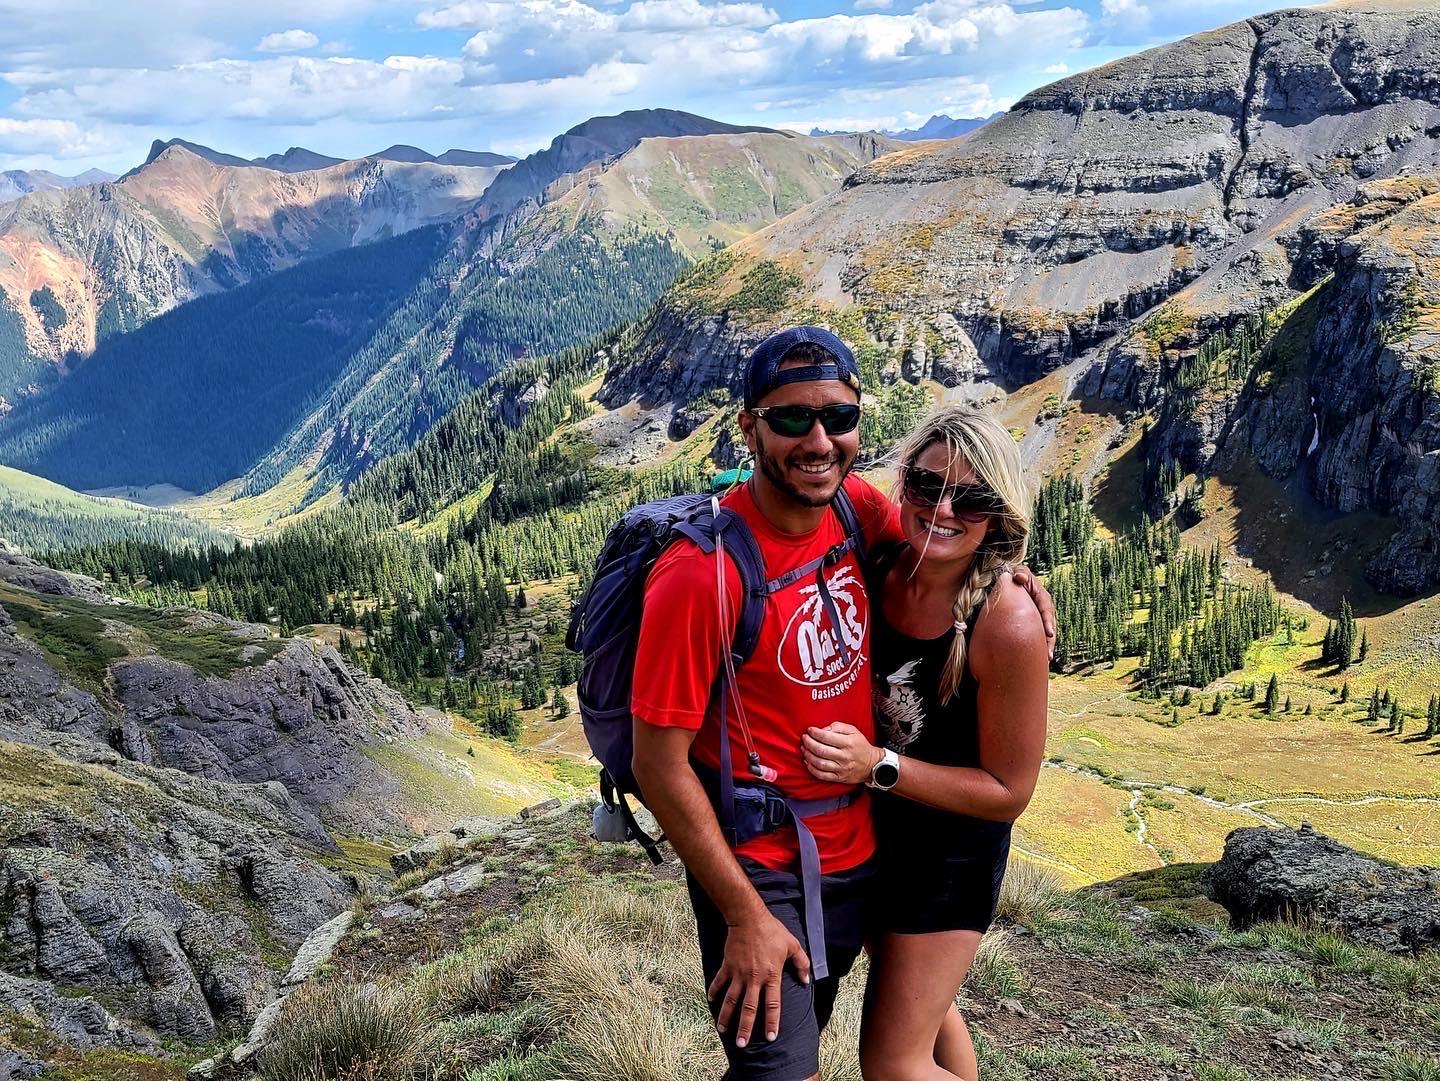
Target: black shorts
(804,1010)
(920,893)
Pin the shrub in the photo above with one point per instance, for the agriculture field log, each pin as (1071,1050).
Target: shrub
(361,1031)
(1030,894)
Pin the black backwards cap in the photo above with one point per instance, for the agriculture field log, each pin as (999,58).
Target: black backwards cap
(763,374)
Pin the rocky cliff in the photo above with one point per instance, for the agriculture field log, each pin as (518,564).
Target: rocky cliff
(171,787)
(81,263)
(1117,220)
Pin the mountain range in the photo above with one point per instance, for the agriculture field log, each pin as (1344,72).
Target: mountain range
(632,197)
(939,126)
(299,160)
(17,182)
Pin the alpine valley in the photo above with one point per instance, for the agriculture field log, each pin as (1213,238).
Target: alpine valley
(305,459)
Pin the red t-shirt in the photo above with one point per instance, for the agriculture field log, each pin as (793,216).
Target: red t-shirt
(795,678)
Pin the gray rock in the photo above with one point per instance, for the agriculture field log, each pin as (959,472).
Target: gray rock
(1270,874)
(317,948)
(80,1022)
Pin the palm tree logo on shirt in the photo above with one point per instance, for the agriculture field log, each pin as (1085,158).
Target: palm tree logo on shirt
(809,651)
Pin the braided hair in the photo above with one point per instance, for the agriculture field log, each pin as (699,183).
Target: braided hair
(973,435)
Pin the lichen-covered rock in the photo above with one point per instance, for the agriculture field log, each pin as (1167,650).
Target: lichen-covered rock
(1285,874)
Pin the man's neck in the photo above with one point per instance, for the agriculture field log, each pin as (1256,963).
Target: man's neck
(781,511)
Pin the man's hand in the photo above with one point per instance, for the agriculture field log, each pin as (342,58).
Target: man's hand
(756,953)
(1025,578)
(839,753)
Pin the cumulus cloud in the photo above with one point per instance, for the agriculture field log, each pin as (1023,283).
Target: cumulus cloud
(1055,69)
(51,138)
(288,41)
(530,68)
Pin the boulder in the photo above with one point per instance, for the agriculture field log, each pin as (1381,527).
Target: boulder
(1275,874)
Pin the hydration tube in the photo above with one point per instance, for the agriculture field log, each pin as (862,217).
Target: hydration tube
(757,769)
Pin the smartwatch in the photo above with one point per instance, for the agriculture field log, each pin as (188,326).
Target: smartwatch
(885,772)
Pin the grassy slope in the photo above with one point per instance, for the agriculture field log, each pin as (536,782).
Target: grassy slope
(34,512)
(575,959)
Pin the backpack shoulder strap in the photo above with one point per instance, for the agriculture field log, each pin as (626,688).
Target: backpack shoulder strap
(744,551)
(845,511)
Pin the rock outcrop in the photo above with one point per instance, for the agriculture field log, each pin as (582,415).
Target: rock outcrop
(1284,874)
(164,832)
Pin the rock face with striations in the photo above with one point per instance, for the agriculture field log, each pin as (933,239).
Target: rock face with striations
(1217,177)
(163,833)
(1279,874)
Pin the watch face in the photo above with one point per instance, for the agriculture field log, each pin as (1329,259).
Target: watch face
(886,774)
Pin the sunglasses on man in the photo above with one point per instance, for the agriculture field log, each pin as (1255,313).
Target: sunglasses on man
(969,502)
(794,421)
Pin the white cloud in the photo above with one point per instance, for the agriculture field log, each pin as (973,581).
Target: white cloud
(873,5)
(52,138)
(1055,69)
(531,68)
(287,41)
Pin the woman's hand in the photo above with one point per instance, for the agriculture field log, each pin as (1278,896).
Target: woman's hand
(839,753)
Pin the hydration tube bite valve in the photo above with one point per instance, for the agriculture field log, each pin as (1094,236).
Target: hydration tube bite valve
(765,773)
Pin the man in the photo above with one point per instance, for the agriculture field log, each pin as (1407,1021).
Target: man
(809,667)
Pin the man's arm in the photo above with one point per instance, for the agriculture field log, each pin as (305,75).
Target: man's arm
(758,946)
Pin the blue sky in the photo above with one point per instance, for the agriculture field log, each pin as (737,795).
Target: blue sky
(89,83)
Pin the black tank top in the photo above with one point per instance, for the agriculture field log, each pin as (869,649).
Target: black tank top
(911,720)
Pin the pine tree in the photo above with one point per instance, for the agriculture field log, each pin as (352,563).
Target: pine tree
(1364,646)
(1215,708)
(559,703)
(1287,703)
(1272,695)
(1432,718)
(1372,715)
(1345,692)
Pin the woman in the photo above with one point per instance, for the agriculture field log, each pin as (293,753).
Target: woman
(960,692)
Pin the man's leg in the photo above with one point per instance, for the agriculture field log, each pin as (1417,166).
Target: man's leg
(794,1055)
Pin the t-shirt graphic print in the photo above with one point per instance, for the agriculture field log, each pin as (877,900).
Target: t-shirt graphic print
(809,652)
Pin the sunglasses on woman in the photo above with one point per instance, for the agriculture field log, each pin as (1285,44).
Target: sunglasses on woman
(794,421)
(970,502)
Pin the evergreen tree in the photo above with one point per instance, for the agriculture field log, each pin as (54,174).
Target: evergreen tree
(1372,714)
(1272,695)
(1364,646)
(559,703)
(1345,692)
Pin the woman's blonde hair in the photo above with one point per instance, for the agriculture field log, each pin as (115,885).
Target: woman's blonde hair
(973,435)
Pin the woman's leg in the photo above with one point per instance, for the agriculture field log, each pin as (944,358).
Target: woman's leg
(913,980)
(953,1047)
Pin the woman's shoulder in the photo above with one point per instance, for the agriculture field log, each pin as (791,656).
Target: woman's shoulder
(1009,618)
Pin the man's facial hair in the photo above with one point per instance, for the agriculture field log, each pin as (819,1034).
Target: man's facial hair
(774,471)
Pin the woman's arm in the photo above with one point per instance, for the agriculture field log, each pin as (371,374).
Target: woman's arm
(1009,660)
